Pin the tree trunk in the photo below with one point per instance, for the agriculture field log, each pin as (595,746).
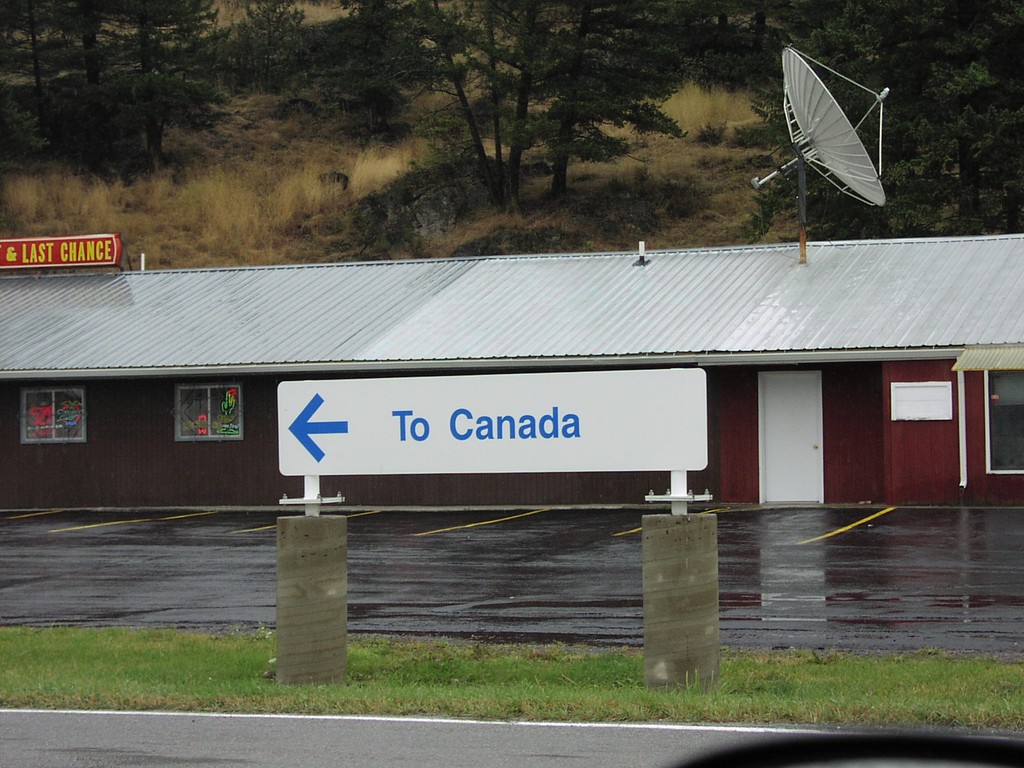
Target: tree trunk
(495,184)
(37,69)
(560,164)
(559,177)
(1012,204)
(90,35)
(154,143)
(515,154)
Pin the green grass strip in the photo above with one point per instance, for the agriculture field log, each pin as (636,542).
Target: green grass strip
(171,670)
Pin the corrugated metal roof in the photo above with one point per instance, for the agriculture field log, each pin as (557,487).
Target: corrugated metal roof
(866,295)
(998,358)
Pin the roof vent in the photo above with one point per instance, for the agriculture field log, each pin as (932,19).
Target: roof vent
(642,261)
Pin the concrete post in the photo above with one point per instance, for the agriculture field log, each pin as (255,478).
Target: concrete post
(680,585)
(312,599)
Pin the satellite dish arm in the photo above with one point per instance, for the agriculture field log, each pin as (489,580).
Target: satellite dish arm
(785,170)
(881,120)
(880,101)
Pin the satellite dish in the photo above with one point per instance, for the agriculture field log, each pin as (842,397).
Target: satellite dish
(822,136)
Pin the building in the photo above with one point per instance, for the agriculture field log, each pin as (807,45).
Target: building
(881,371)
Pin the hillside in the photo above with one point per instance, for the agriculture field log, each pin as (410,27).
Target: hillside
(276,181)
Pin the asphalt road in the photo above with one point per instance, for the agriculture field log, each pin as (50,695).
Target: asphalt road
(850,578)
(164,740)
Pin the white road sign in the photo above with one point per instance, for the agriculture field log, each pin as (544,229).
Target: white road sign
(532,422)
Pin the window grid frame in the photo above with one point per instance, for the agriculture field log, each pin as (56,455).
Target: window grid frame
(81,432)
(208,406)
(989,468)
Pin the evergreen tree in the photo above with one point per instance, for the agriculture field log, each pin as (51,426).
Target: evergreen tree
(374,59)
(731,42)
(613,62)
(159,60)
(266,45)
(95,72)
(552,73)
(18,129)
(34,51)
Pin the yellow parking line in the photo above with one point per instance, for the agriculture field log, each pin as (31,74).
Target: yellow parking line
(101,525)
(190,514)
(255,530)
(626,533)
(482,522)
(129,522)
(364,514)
(35,514)
(846,528)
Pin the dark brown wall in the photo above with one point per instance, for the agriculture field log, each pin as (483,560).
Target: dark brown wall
(131,459)
(536,489)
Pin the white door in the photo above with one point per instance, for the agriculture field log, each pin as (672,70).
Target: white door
(792,468)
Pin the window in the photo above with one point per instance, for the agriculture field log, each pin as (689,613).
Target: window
(208,412)
(53,415)
(1006,420)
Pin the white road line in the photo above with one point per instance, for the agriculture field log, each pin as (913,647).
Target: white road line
(712,728)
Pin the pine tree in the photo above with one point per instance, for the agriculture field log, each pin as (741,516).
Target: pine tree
(529,73)
(375,59)
(158,60)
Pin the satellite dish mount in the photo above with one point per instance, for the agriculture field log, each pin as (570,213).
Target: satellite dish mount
(823,137)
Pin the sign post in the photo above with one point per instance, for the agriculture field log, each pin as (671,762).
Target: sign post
(591,421)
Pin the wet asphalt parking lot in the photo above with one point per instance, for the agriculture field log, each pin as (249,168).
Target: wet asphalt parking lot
(863,578)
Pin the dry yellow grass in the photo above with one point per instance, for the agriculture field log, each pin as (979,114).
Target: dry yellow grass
(261,188)
(694,107)
(377,166)
(56,201)
(232,11)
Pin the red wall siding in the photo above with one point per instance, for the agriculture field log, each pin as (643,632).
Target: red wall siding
(852,401)
(733,428)
(852,425)
(922,458)
(131,458)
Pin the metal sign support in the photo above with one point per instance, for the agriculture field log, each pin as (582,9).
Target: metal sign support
(311,498)
(678,494)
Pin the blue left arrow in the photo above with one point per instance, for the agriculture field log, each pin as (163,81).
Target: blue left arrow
(302,427)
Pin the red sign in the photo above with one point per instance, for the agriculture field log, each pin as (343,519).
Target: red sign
(70,251)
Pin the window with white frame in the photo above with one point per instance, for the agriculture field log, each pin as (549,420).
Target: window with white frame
(53,415)
(1006,420)
(208,412)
